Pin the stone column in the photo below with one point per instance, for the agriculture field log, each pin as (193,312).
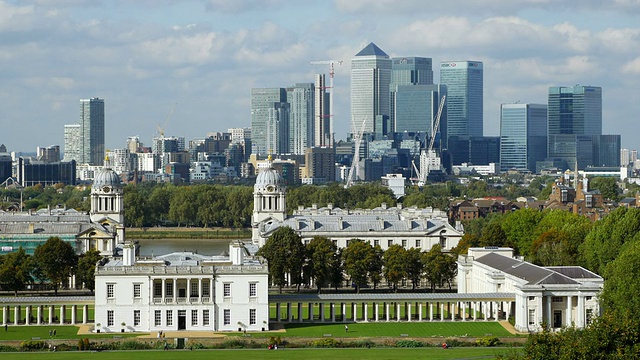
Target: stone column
(321,305)
(51,314)
(5,315)
(175,290)
(386,310)
(200,290)
(164,290)
(365,312)
(289,314)
(343,310)
(16,315)
(549,312)
(485,313)
(508,312)
(211,292)
(300,317)
(188,290)
(333,312)
(85,314)
(408,311)
(376,314)
(580,313)
(27,315)
(397,311)
(354,311)
(453,311)
(569,308)
(62,313)
(39,315)
(74,309)
(441,311)
(310,314)
(464,311)
(430,311)
(278,312)
(475,310)
(420,312)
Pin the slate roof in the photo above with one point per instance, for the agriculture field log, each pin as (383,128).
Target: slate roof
(388,297)
(533,274)
(372,50)
(574,272)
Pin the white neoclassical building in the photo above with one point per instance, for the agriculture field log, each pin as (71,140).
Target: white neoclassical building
(555,297)
(182,291)
(384,226)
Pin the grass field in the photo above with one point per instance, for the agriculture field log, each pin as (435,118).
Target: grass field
(411,329)
(334,354)
(62,332)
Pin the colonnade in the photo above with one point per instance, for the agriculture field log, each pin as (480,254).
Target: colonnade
(34,314)
(169,290)
(352,311)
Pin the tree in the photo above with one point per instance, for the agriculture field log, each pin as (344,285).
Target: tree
(622,285)
(284,252)
(337,270)
(356,262)
(134,213)
(607,185)
(394,265)
(321,255)
(87,268)
(15,270)
(375,265)
(55,258)
(413,266)
(519,227)
(439,268)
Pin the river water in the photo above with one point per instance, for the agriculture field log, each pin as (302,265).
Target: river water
(149,247)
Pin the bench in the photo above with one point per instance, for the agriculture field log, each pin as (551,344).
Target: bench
(35,338)
(404,335)
(326,335)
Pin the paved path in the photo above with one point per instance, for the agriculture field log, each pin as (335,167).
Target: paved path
(507,325)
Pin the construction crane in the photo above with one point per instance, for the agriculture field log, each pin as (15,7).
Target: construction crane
(356,156)
(331,75)
(160,129)
(429,159)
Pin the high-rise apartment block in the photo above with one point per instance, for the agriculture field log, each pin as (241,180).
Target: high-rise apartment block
(322,117)
(92,131)
(370,81)
(523,136)
(301,99)
(266,105)
(464,81)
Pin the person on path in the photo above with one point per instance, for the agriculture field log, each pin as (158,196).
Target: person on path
(346,328)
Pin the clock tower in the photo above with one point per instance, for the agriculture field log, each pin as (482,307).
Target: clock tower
(268,201)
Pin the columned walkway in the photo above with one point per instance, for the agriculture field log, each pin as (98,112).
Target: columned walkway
(58,310)
(365,307)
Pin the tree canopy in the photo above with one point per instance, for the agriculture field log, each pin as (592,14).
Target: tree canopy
(56,259)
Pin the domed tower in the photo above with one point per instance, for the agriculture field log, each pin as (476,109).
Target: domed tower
(268,201)
(107,199)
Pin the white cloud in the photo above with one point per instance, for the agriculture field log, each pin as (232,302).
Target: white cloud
(241,6)
(632,67)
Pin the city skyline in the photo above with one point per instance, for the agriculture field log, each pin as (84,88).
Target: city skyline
(143,58)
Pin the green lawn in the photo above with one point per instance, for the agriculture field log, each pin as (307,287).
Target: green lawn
(391,329)
(42,332)
(334,354)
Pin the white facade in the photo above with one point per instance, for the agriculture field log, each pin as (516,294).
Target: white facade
(183,291)
(554,297)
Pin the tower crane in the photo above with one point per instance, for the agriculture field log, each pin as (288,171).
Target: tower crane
(331,75)
(356,156)
(160,129)
(429,159)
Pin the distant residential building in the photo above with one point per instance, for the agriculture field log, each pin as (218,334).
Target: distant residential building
(72,142)
(92,124)
(395,182)
(122,160)
(464,81)
(263,102)
(277,128)
(523,136)
(320,164)
(239,134)
(322,117)
(301,97)
(370,80)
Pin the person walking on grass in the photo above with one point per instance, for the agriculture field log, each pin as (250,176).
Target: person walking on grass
(346,328)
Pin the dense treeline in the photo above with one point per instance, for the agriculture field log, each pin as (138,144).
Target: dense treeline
(321,264)
(52,263)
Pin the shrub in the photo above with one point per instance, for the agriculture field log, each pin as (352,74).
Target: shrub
(133,345)
(487,341)
(7,348)
(409,343)
(65,347)
(81,345)
(32,345)
(326,343)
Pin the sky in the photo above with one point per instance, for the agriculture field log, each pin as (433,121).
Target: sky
(188,66)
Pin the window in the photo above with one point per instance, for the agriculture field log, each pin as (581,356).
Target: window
(588,298)
(194,317)
(110,317)
(136,290)
(252,316)
(335,243)
(157,289)
(532,316)
(226,290)
(443,242)
(205,317)
(556,299)
(253,289)
(404,243)
(418,243)
(376,242)
(205,289)
(389,243)
(168,288)
(532,298)
(194,289)
(157,318)
(589,316)
(136,317)
(111,290)
(227,317)
(169,316)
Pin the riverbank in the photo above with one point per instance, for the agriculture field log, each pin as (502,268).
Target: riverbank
(187,233)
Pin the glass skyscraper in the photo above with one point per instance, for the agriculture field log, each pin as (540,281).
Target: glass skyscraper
(301,118)
(416,106)
(405,73)
(263,103)
(92,131)
(370,81)
(464,81)
(523,136)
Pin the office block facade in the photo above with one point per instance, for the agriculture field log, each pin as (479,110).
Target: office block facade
(262,107)
(575,110)
(370,81)
(415,109)
(301,99)
(408,71)
(464,81)
(322,117)
(523,136)
(92,131)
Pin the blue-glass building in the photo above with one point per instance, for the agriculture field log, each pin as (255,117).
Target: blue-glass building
(464,81)
(523,136)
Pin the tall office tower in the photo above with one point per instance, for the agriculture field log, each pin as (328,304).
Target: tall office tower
(572,111)
(262,102)
(408,71)
(72,142)
(92,131)
(523,136)
(370,81)
(464,81)
(277,128)
(322,117)
(416,106)
(301,118)
(624,157)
